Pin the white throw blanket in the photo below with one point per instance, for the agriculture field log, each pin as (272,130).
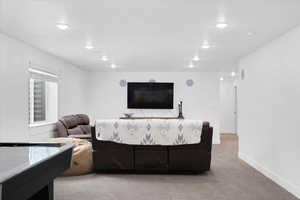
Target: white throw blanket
(149,131)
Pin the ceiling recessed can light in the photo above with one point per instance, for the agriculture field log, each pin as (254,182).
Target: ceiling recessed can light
(196,58)
(62,26)
(233,73)
(205,45)
(221,79)
(221,25)
(113,66)
(89,46)
(250,33)
(191,65)
(104,58)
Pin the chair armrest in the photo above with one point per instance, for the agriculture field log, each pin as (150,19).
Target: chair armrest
(206,136)
(62,130)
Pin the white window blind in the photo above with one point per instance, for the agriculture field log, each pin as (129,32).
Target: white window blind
(43,91)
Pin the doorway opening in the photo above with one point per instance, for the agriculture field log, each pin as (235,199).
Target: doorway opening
(228,107)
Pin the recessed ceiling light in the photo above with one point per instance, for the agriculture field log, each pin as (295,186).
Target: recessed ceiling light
(221,25)
(250,33)
(233,73)
(191,65)
(196,58)
(221,79)
(113,66)
(104,58)
(89,46)
(62,26)
(205,45)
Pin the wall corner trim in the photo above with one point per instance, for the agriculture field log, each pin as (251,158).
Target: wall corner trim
(271,175)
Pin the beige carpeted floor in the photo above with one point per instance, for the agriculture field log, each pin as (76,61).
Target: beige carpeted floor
(229,179)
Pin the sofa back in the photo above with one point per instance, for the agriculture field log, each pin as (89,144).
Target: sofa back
(74,125)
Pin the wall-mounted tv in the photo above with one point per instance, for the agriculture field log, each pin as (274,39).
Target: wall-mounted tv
(144,95)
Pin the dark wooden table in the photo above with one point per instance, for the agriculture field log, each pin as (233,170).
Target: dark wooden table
(27,170)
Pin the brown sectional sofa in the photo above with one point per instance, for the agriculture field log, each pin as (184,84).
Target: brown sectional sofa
(115,157)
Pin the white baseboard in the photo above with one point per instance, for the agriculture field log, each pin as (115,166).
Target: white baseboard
(271,175)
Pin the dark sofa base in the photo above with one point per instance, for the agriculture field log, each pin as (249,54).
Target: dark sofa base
(113,157)
(151,172)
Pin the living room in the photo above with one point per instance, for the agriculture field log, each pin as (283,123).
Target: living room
(231,67)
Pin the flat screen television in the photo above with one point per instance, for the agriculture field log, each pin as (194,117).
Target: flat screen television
(150,95)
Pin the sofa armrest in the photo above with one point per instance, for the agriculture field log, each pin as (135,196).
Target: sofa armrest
(93,134)
(206,136)
(62,130)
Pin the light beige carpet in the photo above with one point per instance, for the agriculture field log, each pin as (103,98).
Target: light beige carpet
(229,179)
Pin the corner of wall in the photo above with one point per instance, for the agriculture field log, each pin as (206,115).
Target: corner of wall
(268,173)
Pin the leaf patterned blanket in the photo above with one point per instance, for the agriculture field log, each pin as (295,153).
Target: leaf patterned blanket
(149,131)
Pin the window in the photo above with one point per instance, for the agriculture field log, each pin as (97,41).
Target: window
(43,91)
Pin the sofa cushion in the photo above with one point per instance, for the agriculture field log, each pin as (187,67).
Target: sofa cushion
(83,119)
(86,129)
(76,131)
(82,160)
(69,121)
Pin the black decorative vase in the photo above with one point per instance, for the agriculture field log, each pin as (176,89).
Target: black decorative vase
(180,115)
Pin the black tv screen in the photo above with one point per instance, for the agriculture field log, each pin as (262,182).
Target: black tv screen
(150,95)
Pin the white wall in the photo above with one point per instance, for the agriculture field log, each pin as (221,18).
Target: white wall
(227,106)
(269,110)
(108,100)
(1,90)
(14,62)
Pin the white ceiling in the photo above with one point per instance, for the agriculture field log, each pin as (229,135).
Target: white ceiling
(148,35)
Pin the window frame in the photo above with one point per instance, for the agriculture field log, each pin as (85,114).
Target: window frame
(47,77)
